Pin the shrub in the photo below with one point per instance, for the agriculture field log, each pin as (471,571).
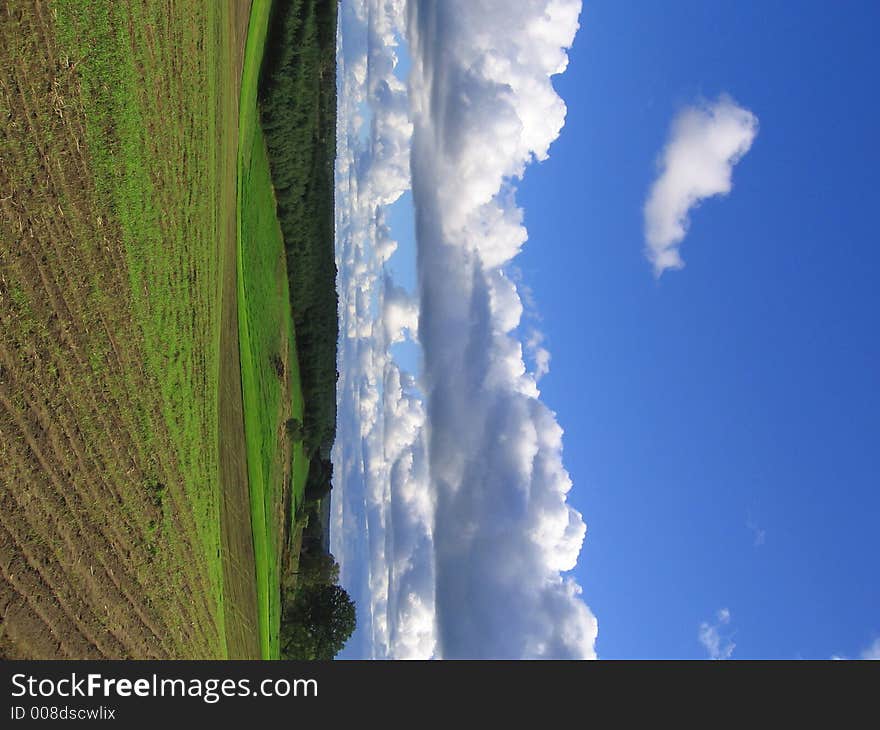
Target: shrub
(294,429)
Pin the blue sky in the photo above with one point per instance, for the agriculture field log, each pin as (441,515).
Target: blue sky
(720,425)
(743,389)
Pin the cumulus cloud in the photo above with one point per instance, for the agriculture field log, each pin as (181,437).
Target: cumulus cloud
(483,108)
(711,636)
(449,512)
(381,516)
(706,141)
(400,313)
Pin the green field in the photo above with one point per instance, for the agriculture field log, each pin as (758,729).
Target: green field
(142,125)
(269,365)
(170,233)
(117,158)
(152,499)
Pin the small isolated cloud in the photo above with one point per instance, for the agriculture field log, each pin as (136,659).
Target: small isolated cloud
(759,534)
(870,653)
(539,354)
(717,645)
(705,143)
(873,651)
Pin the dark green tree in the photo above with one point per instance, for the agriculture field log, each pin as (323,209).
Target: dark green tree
(316,569)
(319,481)
(318,623)
(294,429)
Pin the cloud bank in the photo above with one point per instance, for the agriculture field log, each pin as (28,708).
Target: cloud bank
(381,513)
(483,107)
(710,636)
(697,163)
(449,512)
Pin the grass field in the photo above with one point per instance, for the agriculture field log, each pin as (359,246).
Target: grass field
(147,354)
(269,367)
(118,151)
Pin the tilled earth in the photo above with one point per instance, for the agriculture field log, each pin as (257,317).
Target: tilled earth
(102,553)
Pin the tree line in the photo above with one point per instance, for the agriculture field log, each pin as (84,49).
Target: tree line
(298,117)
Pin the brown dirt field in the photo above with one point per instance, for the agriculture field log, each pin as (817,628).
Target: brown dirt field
(99,549)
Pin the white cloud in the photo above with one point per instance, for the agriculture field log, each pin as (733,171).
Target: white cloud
(381,513)
(706,141)
(539,354)
(870,653)
(873,651)
(710,635)
(759,534)
(400,313)
(449,512)
(504,535)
